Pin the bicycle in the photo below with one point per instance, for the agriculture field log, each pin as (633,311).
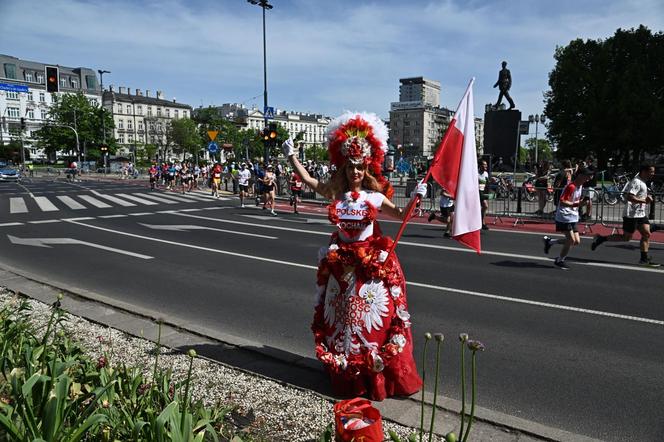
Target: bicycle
(614,193)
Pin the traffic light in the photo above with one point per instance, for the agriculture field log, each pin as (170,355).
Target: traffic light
(52,76)
(272,134)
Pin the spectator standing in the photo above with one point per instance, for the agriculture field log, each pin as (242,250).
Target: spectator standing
(484,179)
(541,184)
(563,177)
(588,191)
(567,217)
(635,215)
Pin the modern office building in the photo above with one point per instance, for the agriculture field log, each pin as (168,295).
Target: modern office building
(418,122)
(23,97)
(141,118)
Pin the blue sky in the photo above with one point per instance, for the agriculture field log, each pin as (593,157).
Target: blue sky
(323,56)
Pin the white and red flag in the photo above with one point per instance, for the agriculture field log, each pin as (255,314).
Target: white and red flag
(455,168)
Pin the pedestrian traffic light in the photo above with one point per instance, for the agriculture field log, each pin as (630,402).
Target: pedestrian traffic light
(52,76)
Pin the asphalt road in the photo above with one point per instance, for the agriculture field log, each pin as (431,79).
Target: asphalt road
(579,350)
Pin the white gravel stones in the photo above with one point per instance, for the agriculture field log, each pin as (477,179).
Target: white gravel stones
(282,412)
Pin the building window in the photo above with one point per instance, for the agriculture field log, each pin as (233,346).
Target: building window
(176,114)
(42,97)
(10,70)
(31,114)
(149,111)
(13,112)
(93,102)
(91,81)
(28,76)
(159,112)
(30,96)
(128,109)
(74,83)
(63,81)
(140,110)
(140,138)
(120,124)
(129,125)
(40,78)
(184,114)
(11,95)
(130,138)
(119,108)
(168,113)
(140,125)
(121,138)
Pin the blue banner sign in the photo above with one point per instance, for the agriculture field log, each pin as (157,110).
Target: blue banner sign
(213,147)
(13,87)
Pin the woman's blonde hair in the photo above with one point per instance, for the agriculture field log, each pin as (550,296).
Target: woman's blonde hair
(338,184)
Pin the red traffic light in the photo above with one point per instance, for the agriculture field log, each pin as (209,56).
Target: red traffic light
(52,75)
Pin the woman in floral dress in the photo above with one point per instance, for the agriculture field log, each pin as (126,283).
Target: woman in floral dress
(361,322)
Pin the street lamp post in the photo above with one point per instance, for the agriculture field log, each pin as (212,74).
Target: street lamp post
(103,120)
(265,5)
(537,118)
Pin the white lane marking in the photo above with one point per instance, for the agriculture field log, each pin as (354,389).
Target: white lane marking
(137,199)
(241,223)
(156,198)
(115,200)
(10,224)
(45,242)
(114,216)
(414,284)
(191,246)
(187,227)
(45,221)
(17,205)
(94,201)
(537,303)
(80,218)
(45,204)
(185,197)
(71,202)
(175,198)
(141,213)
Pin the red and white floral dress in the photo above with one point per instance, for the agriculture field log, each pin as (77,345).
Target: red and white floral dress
(361,322)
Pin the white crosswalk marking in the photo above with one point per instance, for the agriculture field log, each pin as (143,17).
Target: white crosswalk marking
(137,199)
(178,198)
(45,204)
(71,202)
(17,205)
(157,198)
(115,200)
(94,201)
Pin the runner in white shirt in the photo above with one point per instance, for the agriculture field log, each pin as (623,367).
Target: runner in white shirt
(243,177)
(635,216)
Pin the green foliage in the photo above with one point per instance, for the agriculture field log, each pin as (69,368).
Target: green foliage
(51,391)
(185,136)
(316,153)
(12,152)
(607,97)
(76,111)
(544,151)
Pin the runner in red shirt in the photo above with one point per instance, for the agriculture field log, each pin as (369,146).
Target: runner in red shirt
(296,190)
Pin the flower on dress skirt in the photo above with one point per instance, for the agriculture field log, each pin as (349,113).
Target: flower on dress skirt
(378,365)
(341,361)
(382,256)
(333,247)
(399,340)
(395,291)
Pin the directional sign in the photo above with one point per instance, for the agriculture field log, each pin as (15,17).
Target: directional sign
(13,87)
(44,242)
(184,228)
(212,134)
(213,147)
(269,112)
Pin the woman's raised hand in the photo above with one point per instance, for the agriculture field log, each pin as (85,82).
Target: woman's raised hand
(288,148)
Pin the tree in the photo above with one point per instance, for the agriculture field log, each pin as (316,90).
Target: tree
(607,97)
(74,110)
(185,136)
(316,152)
(544,151)
(12,152)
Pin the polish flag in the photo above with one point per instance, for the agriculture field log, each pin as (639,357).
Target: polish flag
(455,168)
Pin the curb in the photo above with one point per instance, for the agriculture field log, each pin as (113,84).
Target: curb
(404,411)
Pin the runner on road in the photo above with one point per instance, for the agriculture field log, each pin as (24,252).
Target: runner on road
(567,215)
(635,215)
(296,190)
(243,177)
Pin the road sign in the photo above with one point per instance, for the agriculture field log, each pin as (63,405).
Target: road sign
(213,147)
(524,127)
(13,87)
(269,112)
(212,134)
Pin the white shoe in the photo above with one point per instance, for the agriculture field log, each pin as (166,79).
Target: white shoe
(242,206)
(273,213)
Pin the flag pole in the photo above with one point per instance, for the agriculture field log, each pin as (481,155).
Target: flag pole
(414,201)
